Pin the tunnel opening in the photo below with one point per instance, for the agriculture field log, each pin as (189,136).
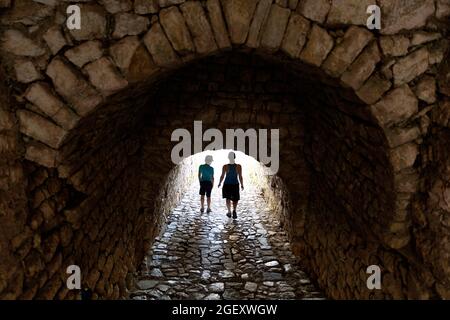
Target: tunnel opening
(334,179)
(86,118)
(207,255)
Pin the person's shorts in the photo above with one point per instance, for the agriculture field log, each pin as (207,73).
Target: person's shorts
(205,188)
(231,192)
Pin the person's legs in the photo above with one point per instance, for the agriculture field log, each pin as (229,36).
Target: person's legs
(202,202)
(229,205)
(235,203)
(208,202)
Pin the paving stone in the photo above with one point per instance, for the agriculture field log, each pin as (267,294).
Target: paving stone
(221,269)
(147,284)
(251,286)
(217,287)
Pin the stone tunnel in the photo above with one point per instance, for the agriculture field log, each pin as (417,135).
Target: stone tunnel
(86,118)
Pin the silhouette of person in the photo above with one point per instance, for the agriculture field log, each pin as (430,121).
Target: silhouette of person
(206,179)
(230,190)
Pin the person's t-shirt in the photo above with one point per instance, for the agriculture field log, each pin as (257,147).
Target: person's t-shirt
(206,172)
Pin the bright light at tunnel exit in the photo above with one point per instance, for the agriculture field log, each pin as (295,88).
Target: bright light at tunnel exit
(251,168)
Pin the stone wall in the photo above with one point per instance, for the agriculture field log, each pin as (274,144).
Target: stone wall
(86,117)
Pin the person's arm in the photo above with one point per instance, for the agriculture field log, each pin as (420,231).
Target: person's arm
(224,170)
(212,179)
(239,169)
(199,174)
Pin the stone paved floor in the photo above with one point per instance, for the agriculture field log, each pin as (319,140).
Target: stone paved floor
(210,256)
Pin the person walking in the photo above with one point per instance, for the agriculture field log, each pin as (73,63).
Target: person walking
(206,179)
(230,191)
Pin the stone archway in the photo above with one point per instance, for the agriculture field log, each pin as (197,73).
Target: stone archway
(73,91)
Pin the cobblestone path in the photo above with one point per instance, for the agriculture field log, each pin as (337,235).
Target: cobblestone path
(210,256)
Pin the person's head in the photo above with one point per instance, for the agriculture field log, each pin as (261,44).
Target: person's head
(208,159)
(231,156)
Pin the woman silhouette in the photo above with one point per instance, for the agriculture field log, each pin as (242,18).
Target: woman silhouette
(230,190)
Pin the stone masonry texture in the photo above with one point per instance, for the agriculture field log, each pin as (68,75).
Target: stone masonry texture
(86,177)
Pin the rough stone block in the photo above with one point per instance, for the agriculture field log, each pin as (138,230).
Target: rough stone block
(93,23)
(404,156)
(362,68)
(422,37)
(394,45)
(442,11)
(354,41)
(146,6)
(41,96)
(275,27)
(159,47)
(345,12)
(104,76)
(315,10)
(72,87)
(426,89)
(115,6)
(128,24)
(141,67)
(26,71)
(295,37)
(17,43)
(255,32)
(123,51)
(399,136)
(41,154)
(411,66)
(40,129)
(318,46)
(84,53)
(199,26)
(373,89)
(175,27)
(54,39)
(397,106)
(401,15)
(168,3)
(218,23)
(238,14)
